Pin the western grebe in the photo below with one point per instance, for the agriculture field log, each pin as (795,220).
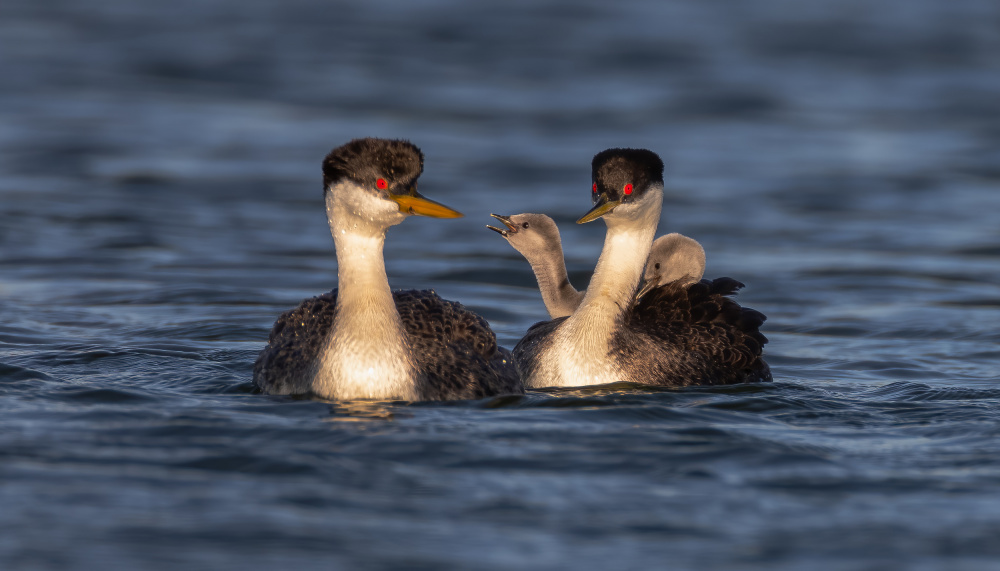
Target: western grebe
(676,335)
(362,341)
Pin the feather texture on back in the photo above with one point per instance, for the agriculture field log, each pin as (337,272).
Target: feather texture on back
(456,353)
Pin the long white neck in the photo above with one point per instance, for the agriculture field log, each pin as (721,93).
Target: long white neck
(582,344)
(559,296)
(366,356)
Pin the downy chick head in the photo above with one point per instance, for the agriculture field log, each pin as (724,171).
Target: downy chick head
(533,235)
(673,258)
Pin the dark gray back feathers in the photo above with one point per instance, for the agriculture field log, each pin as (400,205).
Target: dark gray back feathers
(702,319)
(676,336)
(454,349)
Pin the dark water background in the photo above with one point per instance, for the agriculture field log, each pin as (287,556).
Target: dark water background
(160,205)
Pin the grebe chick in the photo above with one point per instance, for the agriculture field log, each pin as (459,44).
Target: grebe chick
(677,335)
(536,237)
(362,341)
(673,258)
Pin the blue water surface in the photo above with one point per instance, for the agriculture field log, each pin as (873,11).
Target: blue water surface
(161,204)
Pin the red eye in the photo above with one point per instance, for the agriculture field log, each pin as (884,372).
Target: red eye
(381,184)
(628,189)
(594,190)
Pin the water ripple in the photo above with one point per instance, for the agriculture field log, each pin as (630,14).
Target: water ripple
(160,206)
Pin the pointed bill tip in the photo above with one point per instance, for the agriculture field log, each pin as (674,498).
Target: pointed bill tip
(416,204)
(511,227)
(603,206)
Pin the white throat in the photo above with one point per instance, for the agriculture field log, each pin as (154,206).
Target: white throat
(579,354)
(366,355)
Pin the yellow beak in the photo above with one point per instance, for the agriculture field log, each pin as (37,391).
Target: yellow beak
(602,207)
(416,204)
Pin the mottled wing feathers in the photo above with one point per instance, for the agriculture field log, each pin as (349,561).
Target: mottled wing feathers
(425,315)
(701,318)
(284,367)
(454,348)
(718,286)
